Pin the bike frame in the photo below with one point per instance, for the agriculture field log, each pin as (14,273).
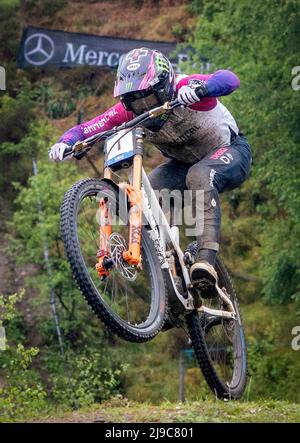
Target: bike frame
(140,193)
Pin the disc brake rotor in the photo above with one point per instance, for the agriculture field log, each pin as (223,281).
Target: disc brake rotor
(117,245)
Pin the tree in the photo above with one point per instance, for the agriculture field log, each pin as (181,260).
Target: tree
(22,394)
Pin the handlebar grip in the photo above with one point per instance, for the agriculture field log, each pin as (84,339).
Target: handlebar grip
(199,92)
(68,151)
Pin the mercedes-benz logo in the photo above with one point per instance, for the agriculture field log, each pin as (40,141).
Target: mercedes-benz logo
(38,49)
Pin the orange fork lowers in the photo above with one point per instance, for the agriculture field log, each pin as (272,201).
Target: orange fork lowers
(133,255)
(104,235)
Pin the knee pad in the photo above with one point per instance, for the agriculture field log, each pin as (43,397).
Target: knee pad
(199,177)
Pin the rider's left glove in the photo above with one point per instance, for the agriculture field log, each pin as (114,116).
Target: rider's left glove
(187,94)
(57,152)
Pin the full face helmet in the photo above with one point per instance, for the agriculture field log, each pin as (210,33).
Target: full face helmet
(145,79)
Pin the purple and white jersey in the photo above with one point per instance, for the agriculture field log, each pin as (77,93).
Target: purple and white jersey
(190,132)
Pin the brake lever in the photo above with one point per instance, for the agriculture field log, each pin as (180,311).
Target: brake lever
(156,112)
(166,107)
(79,149)
(79,146)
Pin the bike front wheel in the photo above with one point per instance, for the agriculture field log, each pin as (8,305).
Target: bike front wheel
(130,302)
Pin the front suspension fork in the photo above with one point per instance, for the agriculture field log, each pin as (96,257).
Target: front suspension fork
(133,254)
(103,255)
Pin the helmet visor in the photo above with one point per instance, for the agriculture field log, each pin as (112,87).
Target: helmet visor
(139,102)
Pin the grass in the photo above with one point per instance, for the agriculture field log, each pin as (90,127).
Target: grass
(209,411)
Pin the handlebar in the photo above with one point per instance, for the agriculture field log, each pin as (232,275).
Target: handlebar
(80,148)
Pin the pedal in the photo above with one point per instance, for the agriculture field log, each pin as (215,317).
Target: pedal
(202,283)
(204,287)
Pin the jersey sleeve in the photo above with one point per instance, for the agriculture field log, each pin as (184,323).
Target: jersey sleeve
(114,116)
(220,83)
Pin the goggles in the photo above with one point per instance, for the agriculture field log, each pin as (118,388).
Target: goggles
(141,101)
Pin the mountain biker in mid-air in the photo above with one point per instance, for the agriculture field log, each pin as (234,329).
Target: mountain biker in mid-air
(201,139)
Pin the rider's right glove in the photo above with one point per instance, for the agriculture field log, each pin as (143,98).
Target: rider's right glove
(187,94)
(56,153)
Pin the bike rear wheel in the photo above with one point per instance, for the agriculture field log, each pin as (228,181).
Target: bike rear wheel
(131,303)
(219,344)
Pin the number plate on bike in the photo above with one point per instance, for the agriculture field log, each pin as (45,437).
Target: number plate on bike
(120,149)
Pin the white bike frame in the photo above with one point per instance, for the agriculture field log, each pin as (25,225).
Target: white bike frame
(121,147)
(161,233)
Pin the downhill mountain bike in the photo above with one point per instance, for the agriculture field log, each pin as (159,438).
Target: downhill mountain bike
(129,266)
